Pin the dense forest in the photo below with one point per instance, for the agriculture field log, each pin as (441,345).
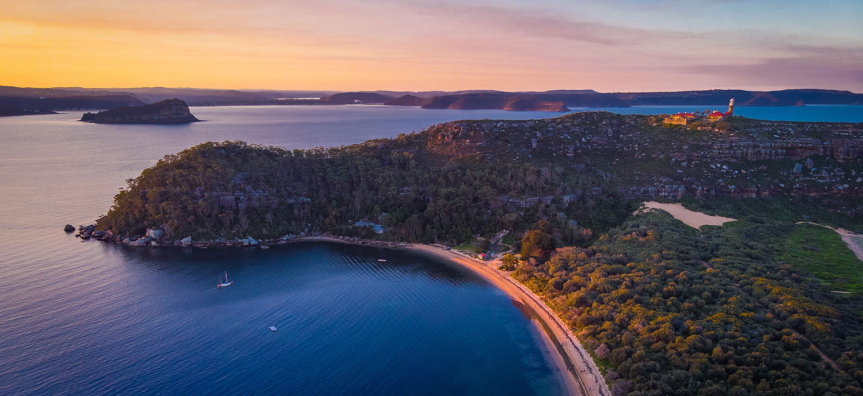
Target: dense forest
(667,309)
(763,305)
(232,189)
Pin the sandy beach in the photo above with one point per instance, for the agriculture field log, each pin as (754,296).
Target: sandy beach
(583,376)
(580,374)
(688,217)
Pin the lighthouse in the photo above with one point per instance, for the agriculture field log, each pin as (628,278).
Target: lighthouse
(730,108)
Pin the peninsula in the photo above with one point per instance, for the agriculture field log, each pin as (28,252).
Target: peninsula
(168,111)
(761,303)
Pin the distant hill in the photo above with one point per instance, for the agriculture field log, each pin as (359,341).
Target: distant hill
(408,100)
(168,111)
(192,96)
(7,110)
(18,101)
(431,94)
(512,102)
(356,97)
(570,91)
(788,97)
(202,97)
(292,94)
(589,98)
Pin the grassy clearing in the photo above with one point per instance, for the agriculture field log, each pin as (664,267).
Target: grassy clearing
(822,252)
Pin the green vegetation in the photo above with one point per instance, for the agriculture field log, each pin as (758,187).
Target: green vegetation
(508,262)
(671,311)
(232,189)
(665,309)
(803,209)
(822,252)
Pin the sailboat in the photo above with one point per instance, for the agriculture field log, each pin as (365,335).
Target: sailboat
(225,283)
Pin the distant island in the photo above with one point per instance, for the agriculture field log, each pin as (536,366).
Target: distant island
(168,111)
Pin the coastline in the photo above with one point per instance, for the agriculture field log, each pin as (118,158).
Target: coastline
(567,353)
(580,374)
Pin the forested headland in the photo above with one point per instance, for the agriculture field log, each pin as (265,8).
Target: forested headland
(746,308)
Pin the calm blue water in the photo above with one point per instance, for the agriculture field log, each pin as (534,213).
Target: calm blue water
(85,318)
(88,318)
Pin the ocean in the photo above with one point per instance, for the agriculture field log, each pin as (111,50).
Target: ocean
(83,317)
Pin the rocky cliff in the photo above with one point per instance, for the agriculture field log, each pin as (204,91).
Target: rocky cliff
(736,158)
(168,111)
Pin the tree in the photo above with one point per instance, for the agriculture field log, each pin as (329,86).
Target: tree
(602,352)
(509,262)
(537,244)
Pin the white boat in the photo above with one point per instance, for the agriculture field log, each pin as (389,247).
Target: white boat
(382,260)
(225,283)
(273,328)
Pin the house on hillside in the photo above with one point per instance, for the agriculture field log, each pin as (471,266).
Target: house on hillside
(710,116)
(681,118)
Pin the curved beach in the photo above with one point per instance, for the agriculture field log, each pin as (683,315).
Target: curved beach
(580,374)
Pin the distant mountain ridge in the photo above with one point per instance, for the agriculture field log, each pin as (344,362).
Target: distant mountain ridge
(356,98)
(787,97)
(482,101)
(19,101)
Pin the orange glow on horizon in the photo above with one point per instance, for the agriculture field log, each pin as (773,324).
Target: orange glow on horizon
(343,46)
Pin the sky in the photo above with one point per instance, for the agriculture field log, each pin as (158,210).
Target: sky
(347,45)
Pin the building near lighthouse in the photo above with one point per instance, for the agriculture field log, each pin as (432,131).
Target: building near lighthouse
(708,115)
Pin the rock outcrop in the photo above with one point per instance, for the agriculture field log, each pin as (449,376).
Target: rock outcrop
(168,111)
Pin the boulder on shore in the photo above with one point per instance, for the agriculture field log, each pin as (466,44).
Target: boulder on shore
(69,228)
(155,233)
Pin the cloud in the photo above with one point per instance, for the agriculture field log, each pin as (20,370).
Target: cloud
(832,71)
(539,23)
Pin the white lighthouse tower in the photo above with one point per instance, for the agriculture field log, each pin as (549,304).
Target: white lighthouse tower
(730,108)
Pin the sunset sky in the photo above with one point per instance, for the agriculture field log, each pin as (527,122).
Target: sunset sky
(607,45)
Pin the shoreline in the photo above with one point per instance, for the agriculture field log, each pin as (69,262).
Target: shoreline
(569,355)
(580,374)
(566,351)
